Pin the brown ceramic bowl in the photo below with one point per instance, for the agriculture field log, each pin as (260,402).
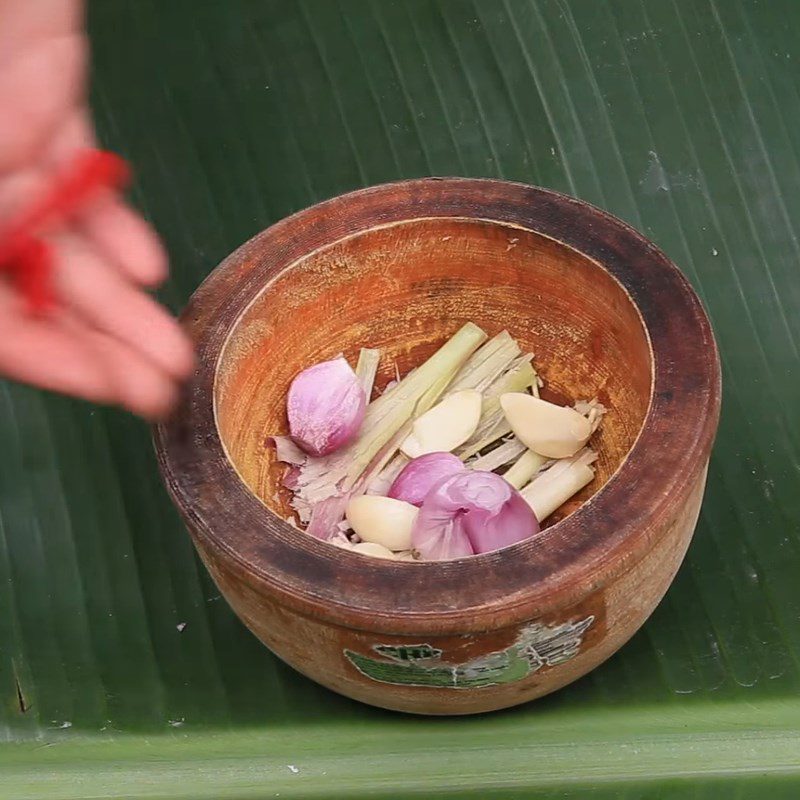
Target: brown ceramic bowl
(401,267)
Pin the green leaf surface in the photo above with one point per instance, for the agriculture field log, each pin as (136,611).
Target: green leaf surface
(681,117)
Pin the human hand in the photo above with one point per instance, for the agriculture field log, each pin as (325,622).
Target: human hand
(107,340)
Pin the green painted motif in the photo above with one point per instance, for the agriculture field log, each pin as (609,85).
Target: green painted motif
(537,646)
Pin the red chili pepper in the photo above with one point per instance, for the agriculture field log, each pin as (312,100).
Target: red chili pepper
(26,258)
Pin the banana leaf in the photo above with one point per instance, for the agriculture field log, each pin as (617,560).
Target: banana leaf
(122,672)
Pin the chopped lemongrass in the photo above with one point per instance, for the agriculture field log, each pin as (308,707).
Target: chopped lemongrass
(552,430)
(482,367)
(498,457)
(493,424)
(445,426)
(486,364)
(593,410)
(556,485)
(387,414)
(496,428)
(524,468)
(382,460)
(435,391)
(367,368)
(383,481)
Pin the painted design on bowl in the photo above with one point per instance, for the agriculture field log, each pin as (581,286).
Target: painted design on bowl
(537,646)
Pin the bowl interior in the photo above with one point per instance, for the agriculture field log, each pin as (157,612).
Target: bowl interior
(406,287)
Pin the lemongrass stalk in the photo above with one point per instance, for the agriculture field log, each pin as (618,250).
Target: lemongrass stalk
(385,478)
(497,430)
(411,397)
(556,485)
(524,468)
(593,410)
(493,424)
(428,400)
(498,457)
(388,461)
(486,364)
(367,368)
(517,378)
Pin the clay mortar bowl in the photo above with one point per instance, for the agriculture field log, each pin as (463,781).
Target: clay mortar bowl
(401,267)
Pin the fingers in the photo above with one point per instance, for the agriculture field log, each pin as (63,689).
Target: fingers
(118,232)
(75,133)
(108,342)
(126,240)
(108,302)
(137,384)
(62,354)
(121,235)
(28,21)
(38,352)
(38,86)
(18,190)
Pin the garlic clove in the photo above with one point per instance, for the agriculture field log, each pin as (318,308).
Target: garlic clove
(382,520)
(372,549)
(550,430)
(446,426)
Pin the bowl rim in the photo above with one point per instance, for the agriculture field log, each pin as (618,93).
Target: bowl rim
(606,536)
